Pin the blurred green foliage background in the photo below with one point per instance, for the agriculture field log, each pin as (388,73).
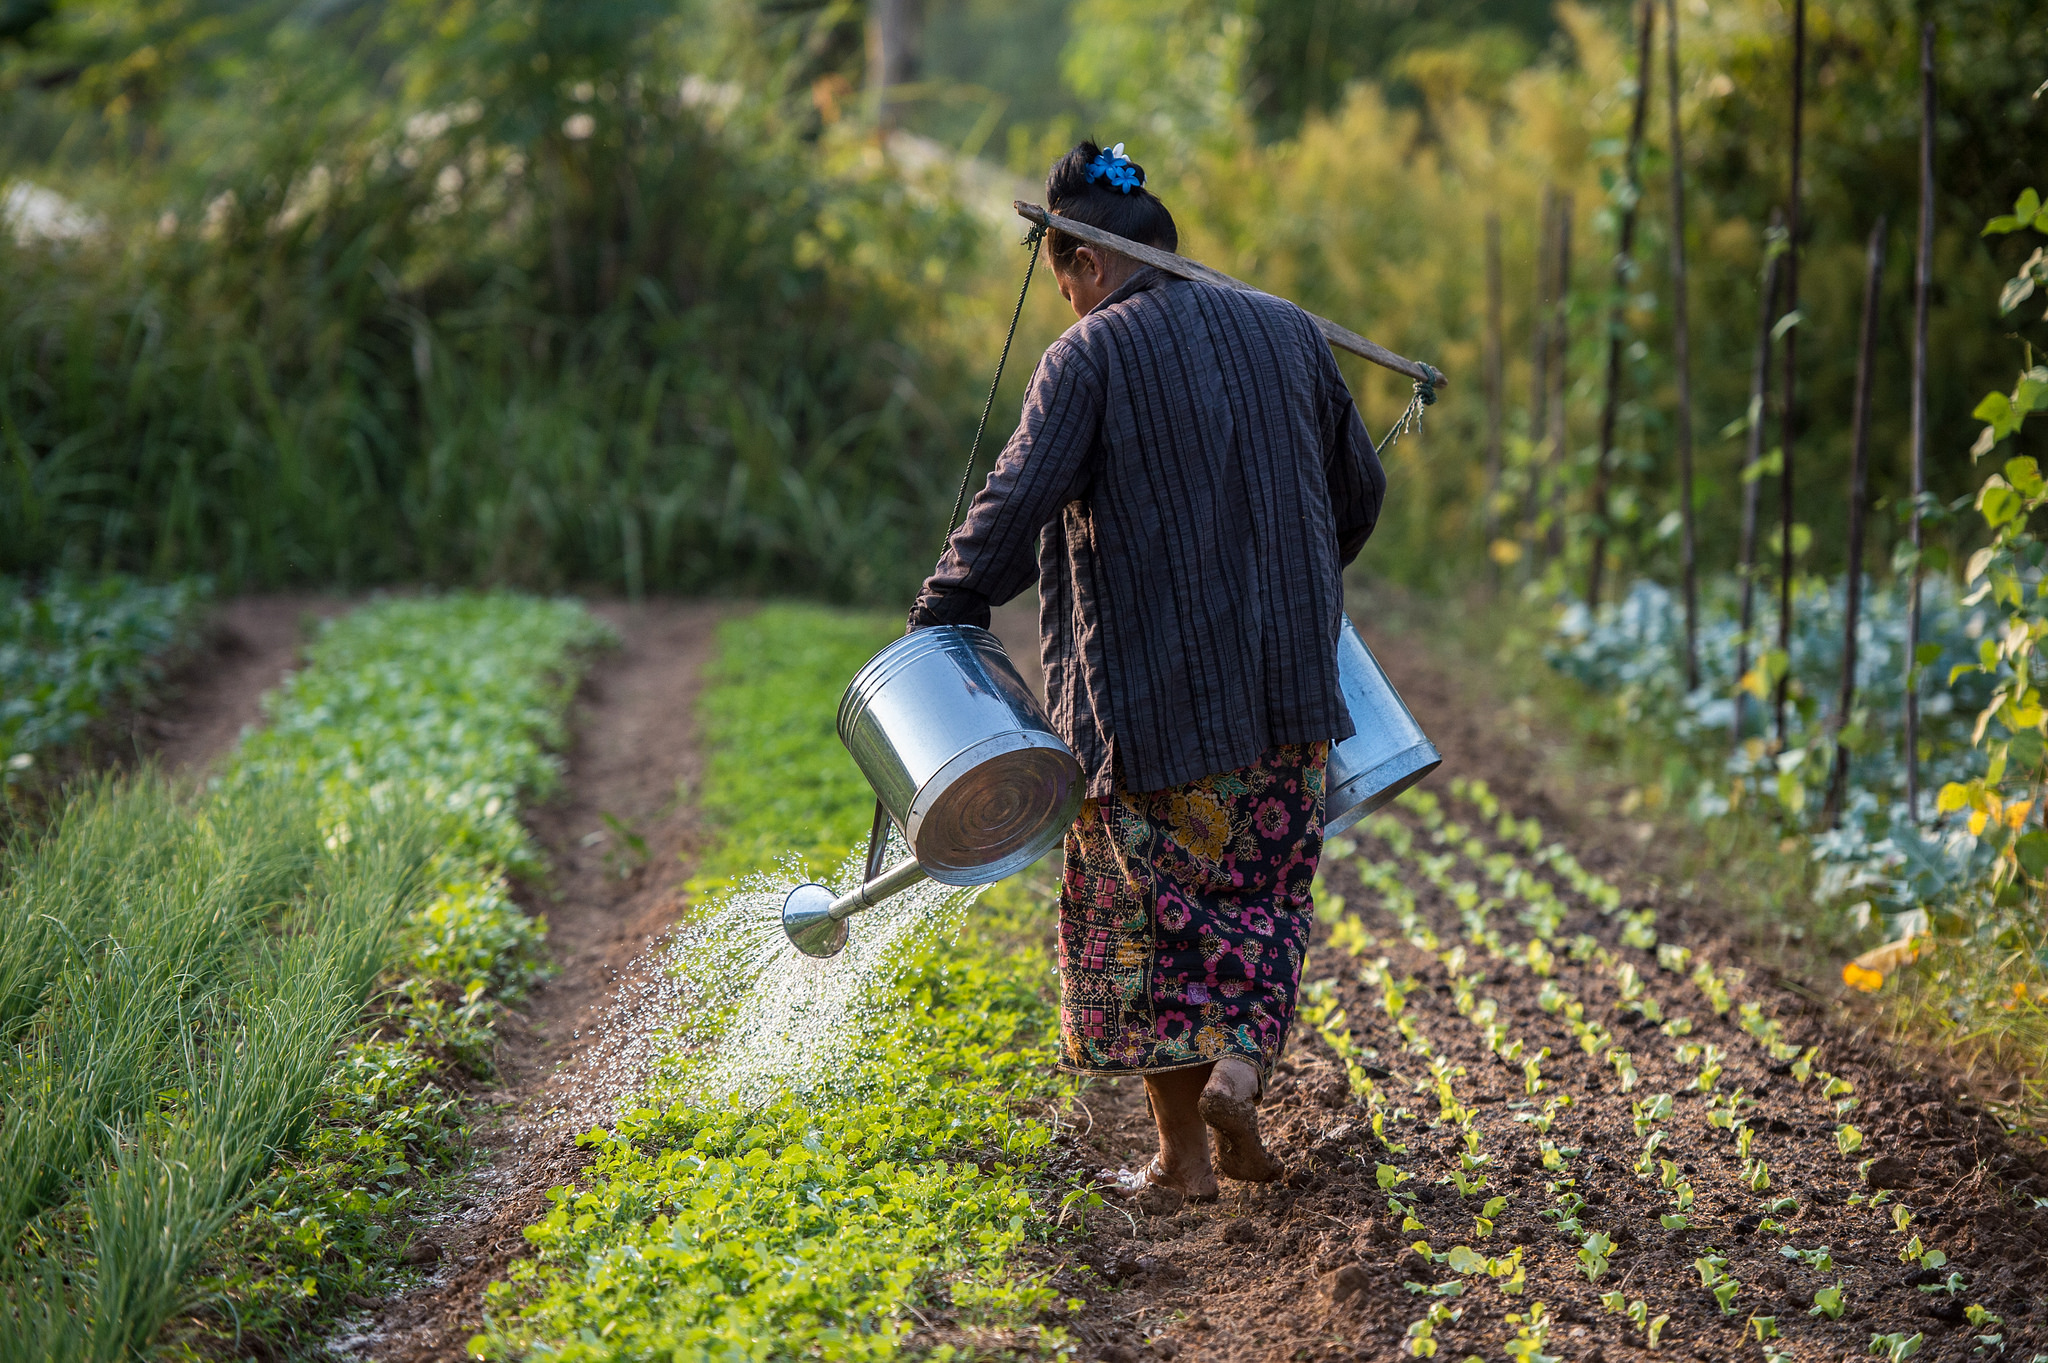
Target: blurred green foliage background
(668,297)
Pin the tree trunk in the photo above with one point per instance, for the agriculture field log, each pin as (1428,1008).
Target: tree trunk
(1923,277)
(1859,492)
(1787,412)
(1495,397)
(1623,272)
(1752,459)
(1681,354)
(895,53)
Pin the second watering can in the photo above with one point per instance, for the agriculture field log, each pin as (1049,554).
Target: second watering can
(964,764)
(1388,753)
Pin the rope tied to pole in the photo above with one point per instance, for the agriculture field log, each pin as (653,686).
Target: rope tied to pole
(1034,240)
(1411,416)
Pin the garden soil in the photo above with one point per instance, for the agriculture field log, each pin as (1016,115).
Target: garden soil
(1315,1267)
(620,835)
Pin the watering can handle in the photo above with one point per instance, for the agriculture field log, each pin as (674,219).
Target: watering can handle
(878,843)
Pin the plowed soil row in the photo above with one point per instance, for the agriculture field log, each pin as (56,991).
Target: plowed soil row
(1318,1266)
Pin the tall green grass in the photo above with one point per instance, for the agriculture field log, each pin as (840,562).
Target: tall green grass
(182,969)
(395,296)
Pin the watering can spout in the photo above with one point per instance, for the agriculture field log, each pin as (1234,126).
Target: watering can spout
(815,920)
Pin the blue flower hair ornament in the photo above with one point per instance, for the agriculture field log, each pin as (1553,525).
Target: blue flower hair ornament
(1121,173)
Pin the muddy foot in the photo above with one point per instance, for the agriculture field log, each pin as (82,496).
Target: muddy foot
(1154,1186)
(1240,1154)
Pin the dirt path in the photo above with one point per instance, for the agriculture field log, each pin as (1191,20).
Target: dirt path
(251,642)
(616,887)
(1319,1267)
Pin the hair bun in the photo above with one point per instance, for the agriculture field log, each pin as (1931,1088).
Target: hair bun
(1118,170)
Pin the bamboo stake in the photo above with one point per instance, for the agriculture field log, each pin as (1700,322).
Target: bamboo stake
(1539,363)
(1859,491)
(1341,337)
(1681,351)
(1495,396)
(1623,261)
(1923,278)
(1787,412)
(1752,458)
(1561,341)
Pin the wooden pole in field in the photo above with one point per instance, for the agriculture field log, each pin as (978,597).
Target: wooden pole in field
(1923,278)
(1539,365)
(1752,460)
(1859,492)
(1495,397)
(1561,347)
(1787,413)
(1681,354)
(1623,252)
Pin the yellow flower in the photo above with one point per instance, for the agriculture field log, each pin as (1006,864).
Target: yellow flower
(1201,823)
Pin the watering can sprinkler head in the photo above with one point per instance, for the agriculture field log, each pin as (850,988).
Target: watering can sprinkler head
(815,920)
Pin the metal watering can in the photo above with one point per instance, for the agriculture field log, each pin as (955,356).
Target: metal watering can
(965,764)
(1388,753)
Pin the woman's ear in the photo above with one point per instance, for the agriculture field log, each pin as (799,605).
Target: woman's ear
(1088,264)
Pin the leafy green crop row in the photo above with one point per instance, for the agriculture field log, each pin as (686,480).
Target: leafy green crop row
(823,1223)
(180,978)
(74,645)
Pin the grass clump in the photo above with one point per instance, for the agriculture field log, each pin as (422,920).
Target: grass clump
(828,1222)
(190,1131)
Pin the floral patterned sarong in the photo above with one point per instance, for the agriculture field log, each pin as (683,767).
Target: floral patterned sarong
(1185,917)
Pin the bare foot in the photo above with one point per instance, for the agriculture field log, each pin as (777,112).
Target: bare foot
(1148,1184)
(1229,1104)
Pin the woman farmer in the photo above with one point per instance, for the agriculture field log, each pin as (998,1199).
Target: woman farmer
(1193,476)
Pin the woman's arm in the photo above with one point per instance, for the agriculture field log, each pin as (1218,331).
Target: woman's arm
(1049,462)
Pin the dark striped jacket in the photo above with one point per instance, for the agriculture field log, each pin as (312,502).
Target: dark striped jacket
(1195,476)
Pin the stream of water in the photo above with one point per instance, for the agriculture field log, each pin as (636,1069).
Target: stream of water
(731,1009)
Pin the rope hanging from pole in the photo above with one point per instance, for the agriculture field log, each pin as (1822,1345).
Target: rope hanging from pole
(974,451)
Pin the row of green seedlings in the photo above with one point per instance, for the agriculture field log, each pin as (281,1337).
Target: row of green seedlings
(1545,915)
(1724,1113)
(1596,1249)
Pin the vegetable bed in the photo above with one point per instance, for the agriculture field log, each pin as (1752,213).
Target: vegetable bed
(892,1208)
(202,1123)
(75,646)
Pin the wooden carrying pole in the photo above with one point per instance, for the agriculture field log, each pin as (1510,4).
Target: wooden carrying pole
(1340,337)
